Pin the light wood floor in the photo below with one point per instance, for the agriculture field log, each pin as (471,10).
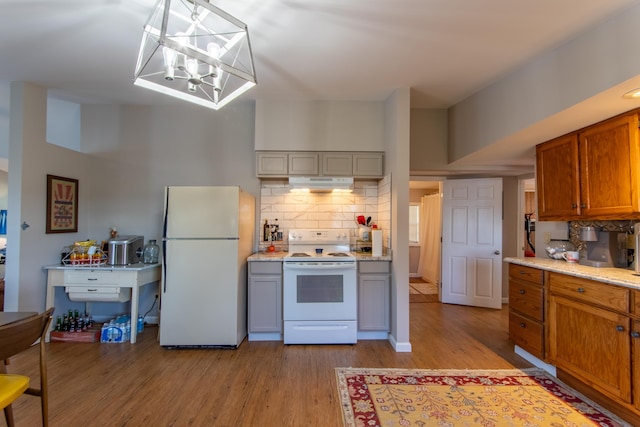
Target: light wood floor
(260,384)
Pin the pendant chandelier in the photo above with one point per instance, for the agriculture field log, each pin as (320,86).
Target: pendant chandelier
(195,51)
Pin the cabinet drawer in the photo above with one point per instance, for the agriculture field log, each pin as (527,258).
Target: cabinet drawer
(527,299)
(529,274)
(76,277)
(265,267)
(602,294)
(98,293)
(527,334)
(373,267)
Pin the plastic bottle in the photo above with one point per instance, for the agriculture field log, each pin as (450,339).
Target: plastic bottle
(150,253)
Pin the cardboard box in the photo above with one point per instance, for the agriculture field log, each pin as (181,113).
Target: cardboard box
(90,335)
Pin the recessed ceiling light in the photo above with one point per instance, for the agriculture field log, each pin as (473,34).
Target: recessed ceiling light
(632,94)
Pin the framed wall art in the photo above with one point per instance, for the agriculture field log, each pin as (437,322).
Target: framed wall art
(62,204)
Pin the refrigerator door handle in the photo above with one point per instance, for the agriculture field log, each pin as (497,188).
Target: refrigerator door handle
(164,241)
(164,265)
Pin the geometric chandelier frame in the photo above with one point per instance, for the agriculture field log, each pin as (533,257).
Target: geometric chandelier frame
(196,52)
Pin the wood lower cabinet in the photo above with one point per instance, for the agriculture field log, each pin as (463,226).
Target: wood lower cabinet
(590,335)
(265,300)
(527,309)
(374,295)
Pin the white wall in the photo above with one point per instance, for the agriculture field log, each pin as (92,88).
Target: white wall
(590,63)
(319,125)
(428,139)
(396,133)
(131,154)
(32,158)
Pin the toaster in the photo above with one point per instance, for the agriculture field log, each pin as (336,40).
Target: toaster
(125,250)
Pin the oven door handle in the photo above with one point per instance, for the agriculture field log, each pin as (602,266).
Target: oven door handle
(319,266)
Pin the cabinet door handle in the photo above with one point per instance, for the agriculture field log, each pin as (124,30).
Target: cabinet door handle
(522,325)
(573,206)
(635,334)
(92,279)
(521,291)
(582,205)
(620,328)
(580,290)
(523,272)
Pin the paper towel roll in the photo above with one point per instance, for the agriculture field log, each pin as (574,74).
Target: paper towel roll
(376,243)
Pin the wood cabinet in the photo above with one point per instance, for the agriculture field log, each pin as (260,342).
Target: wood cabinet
(589,334)
(527,309)
(282,164)
(265,300)
(374,296)
(591,173)
(558,179)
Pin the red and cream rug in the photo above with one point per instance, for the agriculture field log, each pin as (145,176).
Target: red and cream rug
(401,397)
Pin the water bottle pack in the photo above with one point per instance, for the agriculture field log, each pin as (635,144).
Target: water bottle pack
(118,330)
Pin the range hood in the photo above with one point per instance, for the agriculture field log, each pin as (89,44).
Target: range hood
(321,183)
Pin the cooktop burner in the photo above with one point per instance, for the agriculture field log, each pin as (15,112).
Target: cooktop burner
(299,255)
(338,254)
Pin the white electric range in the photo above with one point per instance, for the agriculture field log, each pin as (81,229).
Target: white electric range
(320,288)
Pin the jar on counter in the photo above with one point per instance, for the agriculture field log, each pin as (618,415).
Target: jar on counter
(555,248)
(151,253)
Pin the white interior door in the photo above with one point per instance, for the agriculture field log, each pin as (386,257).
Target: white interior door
(472,242)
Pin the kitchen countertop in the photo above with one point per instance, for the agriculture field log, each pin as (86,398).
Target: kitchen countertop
(615,276)
(278,256)
(132,267)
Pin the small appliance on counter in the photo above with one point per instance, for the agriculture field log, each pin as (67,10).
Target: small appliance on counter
(604,248)
(125,250)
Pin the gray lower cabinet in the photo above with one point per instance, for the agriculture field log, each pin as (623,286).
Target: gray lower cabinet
(373,295)
(265,300)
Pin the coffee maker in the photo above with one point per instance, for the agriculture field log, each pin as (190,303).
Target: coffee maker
(604,248)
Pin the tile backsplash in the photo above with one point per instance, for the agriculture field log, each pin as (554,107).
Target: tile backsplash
(331,210)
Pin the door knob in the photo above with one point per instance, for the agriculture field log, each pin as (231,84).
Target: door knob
(496,253)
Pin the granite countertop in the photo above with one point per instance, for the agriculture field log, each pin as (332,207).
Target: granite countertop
(132,267)
(278,256)
(267,256)
(615,276)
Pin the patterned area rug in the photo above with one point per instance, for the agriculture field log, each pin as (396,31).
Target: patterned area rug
(401,397)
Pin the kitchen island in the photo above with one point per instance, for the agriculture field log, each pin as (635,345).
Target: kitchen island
(103,283)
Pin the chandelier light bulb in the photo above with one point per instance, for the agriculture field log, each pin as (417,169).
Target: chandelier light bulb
(181,59)
(169,56)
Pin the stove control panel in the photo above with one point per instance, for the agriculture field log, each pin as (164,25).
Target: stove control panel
(318,236)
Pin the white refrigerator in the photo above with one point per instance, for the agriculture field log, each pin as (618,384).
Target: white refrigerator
(208,235)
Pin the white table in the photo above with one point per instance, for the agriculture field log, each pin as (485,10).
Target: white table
(131,276)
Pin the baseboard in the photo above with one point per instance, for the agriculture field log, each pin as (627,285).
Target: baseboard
(535,361)
(404,347)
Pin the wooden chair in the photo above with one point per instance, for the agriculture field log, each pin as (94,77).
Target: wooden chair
(15,338)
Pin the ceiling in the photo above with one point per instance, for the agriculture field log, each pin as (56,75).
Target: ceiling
(444,50)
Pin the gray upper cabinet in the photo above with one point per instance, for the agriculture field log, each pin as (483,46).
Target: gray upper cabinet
(337,164)
(282,164)
(272,164)
(304,164)
(368,165)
